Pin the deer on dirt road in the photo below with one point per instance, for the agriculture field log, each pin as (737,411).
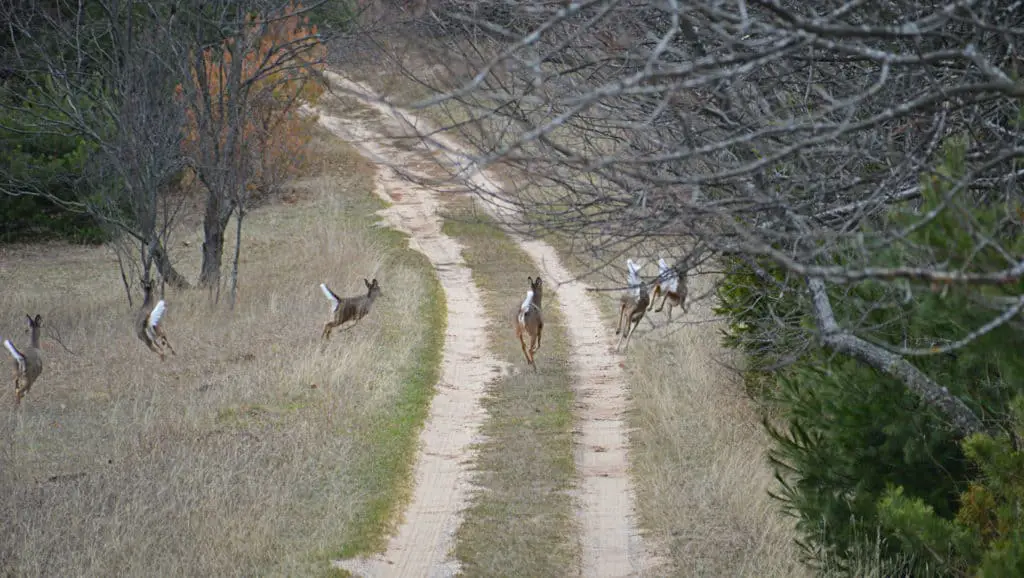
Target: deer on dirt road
(347,308)
(671,286)
(530,320)
(147,322)
(28,362)
(635,306)
(630,303)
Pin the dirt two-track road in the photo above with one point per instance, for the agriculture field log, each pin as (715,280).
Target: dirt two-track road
(422,546)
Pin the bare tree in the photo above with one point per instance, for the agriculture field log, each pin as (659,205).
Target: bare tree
(230,67)
(97,73)
(770,131)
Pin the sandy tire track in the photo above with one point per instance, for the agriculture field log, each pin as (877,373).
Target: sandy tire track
(612,545)
(425,539)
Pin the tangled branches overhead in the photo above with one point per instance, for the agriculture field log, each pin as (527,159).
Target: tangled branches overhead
(822,137)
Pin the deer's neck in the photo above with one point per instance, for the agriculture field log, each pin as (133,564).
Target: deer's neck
(35,337)
(147,299)
(537,296)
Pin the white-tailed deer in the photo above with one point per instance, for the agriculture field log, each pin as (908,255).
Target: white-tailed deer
(347,308)
(530,320)
(147,322)
(636,306)
(28,362)
(671,286)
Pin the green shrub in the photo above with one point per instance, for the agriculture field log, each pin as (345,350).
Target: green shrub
(48,167)
(861,459)
(986,538)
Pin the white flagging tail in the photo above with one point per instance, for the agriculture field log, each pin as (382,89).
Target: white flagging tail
(669,278)
(527,303)
(15,354)
(154,318)
(330,296)
(633,277)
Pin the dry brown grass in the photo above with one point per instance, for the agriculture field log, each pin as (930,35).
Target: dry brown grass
(251,452)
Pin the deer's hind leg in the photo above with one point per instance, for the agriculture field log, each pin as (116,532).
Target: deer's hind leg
(152,345)
(522,342)
(20,392)
(534,344)
(163,340)
(630,328)
(327,329)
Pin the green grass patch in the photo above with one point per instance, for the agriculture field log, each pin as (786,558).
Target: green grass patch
(522,521)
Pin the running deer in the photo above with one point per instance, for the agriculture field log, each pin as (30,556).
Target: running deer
(672,287)
(348,308)
(147,322)
(28,363)
(530,320)
(636,306)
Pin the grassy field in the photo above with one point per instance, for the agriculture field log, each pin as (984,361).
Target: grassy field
(253,451)
(521,521)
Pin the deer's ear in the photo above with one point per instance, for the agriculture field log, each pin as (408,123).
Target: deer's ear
(39,319)
(367,282)
(30,320)
(530,279)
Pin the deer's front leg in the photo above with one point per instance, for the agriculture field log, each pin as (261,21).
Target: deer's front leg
(663,299)
(622,311)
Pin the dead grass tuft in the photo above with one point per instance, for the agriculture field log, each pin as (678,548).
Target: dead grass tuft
(252,451)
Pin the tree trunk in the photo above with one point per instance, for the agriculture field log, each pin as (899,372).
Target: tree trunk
(213,250)
(167,270)
(238,251)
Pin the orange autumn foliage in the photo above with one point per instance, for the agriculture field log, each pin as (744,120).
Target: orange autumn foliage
(281,57)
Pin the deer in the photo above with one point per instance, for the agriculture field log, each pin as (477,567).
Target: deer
(28,363)
(671,286)
(636,306)
(530,320)
(629,302)
(349,308)
(147,322)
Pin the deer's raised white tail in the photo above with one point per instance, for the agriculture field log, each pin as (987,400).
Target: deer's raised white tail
(668,278)
(525,306)
(633,278)
(335,301)
(18,357)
